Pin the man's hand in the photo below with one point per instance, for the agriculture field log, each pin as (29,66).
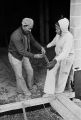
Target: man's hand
(51,64)
(43,50)
(38,56)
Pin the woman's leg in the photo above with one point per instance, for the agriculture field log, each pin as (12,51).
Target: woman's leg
(49,87)
(63,75)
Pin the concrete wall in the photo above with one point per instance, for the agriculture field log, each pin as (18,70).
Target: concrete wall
(75,27)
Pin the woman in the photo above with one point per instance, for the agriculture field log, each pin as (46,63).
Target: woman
(59,67)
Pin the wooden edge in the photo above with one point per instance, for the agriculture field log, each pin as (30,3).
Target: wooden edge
(27,103)
(24,112)
(63,110)
(75,109)
(67,94)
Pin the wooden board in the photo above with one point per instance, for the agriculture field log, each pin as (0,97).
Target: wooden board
(63,110)
(59,103)
(67,94)
(66,108)
(27,103)
(76,110)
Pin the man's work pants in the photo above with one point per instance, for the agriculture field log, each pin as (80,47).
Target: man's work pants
(17,67)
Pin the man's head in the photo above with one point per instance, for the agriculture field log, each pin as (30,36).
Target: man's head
(27,24)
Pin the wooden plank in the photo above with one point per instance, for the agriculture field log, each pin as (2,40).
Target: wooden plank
(60,108)
(67,94)
(27,103)
(63,110)
(24,112)
(70,105)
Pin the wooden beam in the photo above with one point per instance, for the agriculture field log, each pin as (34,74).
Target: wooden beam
(27,103)
(31,102)
(66,108)
(24,112)
(67,94)
(75,109)
(63,110)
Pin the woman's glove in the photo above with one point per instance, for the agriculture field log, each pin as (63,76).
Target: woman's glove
(51,64)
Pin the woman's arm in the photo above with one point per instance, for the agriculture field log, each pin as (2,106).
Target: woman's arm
(53,42)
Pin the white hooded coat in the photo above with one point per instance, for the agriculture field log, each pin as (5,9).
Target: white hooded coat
(64,47)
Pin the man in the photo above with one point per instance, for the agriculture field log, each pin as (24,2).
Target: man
(59,67)
(19,53)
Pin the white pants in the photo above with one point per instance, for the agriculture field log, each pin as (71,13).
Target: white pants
(17,67)
(56,78)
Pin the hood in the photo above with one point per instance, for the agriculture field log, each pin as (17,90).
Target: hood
(64,24)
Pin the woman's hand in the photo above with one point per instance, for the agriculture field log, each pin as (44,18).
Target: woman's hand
(51,64)
(43,50)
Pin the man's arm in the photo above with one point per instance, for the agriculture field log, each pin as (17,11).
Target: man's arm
(34,42)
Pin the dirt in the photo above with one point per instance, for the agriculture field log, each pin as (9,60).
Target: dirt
(8,91)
